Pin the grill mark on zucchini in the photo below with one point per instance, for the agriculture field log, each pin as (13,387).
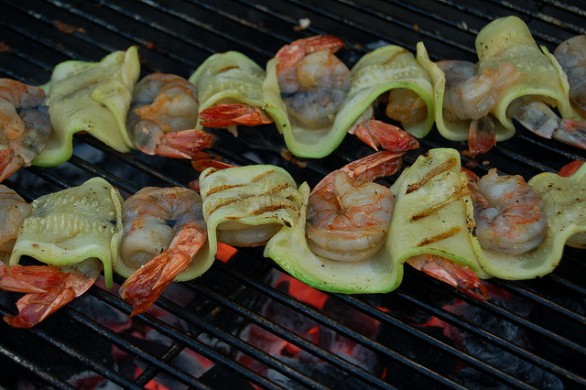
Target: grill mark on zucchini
(435,171)
(438,237)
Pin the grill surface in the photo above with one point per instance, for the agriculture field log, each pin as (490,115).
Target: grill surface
(531,338)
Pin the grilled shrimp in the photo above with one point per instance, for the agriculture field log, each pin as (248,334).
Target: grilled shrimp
(571,54)
(472,96)
(163,231)
(508,213)
(13,210)
(24,125)
(312,80)
(348,215)
(163,115)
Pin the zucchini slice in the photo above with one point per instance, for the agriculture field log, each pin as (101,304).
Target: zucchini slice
(72,225)
(564,207)
(229,77)
(246,206)
(90,97)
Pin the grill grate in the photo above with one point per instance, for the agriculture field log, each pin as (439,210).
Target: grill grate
(175,37)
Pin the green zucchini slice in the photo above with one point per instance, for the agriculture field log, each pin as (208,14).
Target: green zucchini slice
(90,97)
(72,225)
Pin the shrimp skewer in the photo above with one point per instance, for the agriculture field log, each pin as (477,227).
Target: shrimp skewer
(24,125)
(157,251)
(163,116)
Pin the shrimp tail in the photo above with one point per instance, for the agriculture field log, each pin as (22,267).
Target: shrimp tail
(460,277)
(481,136)
(572,133)
(366,169)
(570,168)
(47,289)
(377,134)
(143,287)
(184,144)
(223,115)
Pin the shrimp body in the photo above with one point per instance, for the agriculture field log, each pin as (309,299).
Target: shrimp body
(347,221)
(470,95)
(24,125)
(163,115)
(13,210)
(312,80)
(571,54)
(508,213)
(163,232)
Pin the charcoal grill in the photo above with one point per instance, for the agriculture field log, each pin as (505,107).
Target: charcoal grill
(548,345)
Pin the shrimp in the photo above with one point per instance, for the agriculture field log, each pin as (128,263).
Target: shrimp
(47,288)
(13,211)
(312,80)
(537,117)
(163,231)
(24,125)
(405,106)
(472,96)
(163,116)
(571,55)
(508,213)
(348,215)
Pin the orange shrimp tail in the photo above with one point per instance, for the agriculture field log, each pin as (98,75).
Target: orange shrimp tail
(377,134)
(319,43)
(458,276)
(366,169)
(184,144)
(224,115)
(570,168)
(481,137)
(48,287)
(145,286)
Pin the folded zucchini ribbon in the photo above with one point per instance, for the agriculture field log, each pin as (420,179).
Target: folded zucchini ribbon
(229,77)
(72,225)
(247,205)
(93,97)
(377,72)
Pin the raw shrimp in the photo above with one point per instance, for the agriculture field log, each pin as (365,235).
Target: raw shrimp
(163,115)
(24,125)
(472,96)
(348,215)
(163,231)
(508,213)
(312,80)
(571,54)
(47,288)
(13,210)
